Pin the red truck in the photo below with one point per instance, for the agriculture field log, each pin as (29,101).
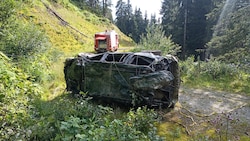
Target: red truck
(106,41)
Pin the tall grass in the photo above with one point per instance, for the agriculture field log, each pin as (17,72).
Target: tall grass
(216,75)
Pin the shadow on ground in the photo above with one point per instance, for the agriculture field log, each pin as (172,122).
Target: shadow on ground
(220,115)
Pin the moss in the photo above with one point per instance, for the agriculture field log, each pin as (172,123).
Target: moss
(172,131)
(211,133)
(244,138)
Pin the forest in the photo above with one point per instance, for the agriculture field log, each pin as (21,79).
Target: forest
(211,38)
(201,28)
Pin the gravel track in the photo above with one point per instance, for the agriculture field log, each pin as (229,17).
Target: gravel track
(200,110)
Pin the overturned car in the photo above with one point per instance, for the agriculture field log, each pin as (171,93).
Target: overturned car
(137,79)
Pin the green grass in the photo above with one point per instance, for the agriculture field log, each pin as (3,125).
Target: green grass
(236,84)
(64,40)
(215,75)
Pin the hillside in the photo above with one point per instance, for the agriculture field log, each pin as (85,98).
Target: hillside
(70,31)
(64,38)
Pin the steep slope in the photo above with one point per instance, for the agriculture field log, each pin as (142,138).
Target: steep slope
(60,22)
(51,18)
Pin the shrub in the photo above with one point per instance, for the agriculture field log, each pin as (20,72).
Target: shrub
(17,97)
(30,48)
(155,39)
(215,69)
(25,41)
(95,122)
(215,74)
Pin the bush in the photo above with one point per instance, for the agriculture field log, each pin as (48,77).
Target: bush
(17,97)
(7,9)
(83,120)
(94,122)
(214,69)
(215,74)
(155,39)
(25,41)
(188,68)
(30,48)
(217,69)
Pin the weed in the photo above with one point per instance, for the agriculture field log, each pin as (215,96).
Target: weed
(224,124)
(176,133)
(214,74)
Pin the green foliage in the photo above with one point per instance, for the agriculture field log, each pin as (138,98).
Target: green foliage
(123,17)
(7,8)
(171,11)
(185,21)
(187,67)
(38,67)
(214,74)
(27,116)
(155,40)
(100,8)
(29,47)
(137,125)
(230,42)
(25,41)
(130,23)
(176,133)
(65,118)
(17,97)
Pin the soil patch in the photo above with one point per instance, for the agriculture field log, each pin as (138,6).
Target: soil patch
(217,115)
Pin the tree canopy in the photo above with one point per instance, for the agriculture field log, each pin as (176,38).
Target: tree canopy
(130,22)
(155,39)
(231,41)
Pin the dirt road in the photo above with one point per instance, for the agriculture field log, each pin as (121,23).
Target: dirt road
(201,111)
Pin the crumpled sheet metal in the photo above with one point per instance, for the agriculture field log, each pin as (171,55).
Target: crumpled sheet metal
(119,76)
(152,81)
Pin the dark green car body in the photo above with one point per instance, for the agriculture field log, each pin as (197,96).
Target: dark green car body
(141,78)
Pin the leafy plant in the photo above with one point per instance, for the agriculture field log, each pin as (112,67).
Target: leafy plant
(156,40)
(17,97)
(176,133)
(97,123)
(7,9)
(214,74)
(223,123)
(25,41)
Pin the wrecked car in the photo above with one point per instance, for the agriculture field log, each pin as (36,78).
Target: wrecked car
(141,78)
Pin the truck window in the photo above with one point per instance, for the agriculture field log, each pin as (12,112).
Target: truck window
(102,43)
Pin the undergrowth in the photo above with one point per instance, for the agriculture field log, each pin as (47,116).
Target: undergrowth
(215,75)
(25,115)
(18,95)
(32,103)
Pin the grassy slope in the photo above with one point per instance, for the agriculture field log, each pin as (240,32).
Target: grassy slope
(65,40)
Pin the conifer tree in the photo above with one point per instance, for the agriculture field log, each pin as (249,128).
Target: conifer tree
(185,20)
(231,42)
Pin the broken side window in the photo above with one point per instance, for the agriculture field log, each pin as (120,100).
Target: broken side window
(115,57)
(96,58)
(141,60)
